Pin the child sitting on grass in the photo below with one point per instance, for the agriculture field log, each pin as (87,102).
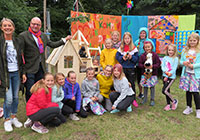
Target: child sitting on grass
(123,95)
(91,93)
(72,96)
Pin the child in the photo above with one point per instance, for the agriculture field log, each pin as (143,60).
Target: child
(72,96)
(190,76)
(95,62)
(58,94)
(115,39)
(123,95)
(108,54)
(143,36)
(39,108)
(91,93)
(149,80)
(106,83)
(127,56)
(169,65)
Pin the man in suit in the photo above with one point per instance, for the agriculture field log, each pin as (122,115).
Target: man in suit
(34,44)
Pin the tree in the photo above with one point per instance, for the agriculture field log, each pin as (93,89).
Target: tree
(18,11)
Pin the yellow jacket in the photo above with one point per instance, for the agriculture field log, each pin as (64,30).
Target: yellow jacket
(105,83)
(107,57)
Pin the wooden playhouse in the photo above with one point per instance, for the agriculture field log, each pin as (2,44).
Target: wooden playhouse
(66,58)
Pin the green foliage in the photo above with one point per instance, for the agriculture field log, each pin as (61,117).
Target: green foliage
(18,11)
(21,11)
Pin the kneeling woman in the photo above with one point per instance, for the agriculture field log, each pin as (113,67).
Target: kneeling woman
(123,95)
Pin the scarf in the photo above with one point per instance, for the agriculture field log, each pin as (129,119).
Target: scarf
(40,42)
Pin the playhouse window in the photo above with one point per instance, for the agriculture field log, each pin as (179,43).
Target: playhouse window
(68,61)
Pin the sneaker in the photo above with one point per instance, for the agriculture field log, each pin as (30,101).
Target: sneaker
(38,127)
(16,123)
(8,126)
(135,104)
(174,104)
(114,111)
(167,108)
(187,111)
(74,117)
(141,96)
(143,101)
(198,113)
(129,109)
(28,123)
(152,103)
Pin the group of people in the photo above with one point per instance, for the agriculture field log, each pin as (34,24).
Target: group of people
(50,98)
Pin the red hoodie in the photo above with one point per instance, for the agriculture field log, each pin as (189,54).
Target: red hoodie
(39,100)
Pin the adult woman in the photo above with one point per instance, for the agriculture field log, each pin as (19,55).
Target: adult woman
(10,63)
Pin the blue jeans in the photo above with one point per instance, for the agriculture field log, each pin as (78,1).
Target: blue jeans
(11,97)
(31,80)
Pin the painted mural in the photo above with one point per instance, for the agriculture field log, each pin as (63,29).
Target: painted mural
(98,28)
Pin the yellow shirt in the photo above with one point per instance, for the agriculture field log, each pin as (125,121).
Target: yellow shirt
(105,83)
(107,57)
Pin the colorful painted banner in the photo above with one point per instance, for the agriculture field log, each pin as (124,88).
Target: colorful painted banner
(161,28)
(98,28)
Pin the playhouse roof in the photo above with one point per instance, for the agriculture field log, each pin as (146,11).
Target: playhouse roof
(56,53)
(164,24)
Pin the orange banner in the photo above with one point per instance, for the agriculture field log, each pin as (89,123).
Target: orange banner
(98,28)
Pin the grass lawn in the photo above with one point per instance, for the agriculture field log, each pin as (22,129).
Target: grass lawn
(144,123)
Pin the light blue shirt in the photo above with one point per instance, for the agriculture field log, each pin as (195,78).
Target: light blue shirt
(169,64)
(196,65)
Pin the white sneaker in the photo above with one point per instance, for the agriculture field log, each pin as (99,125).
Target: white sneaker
(16,123)
(198,113)
(187,111)
(8,126)
(28,123)
(74,117)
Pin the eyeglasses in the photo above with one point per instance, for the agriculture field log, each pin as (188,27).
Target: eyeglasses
(35,24)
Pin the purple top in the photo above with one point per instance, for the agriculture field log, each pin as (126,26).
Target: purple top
(156,63)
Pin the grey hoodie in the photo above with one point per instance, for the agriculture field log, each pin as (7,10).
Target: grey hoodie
(90,88)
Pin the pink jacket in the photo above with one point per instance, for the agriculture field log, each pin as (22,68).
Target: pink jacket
(39,100)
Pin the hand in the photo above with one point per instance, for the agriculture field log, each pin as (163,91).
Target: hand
(148,67)
(129,84)
(186,63)
(124,57)
(129,56)
(93,98)
(113,107)
(68,37)
(73,98)
(96,98)
(24,78)
(190,66)
(165,79)
(77,111)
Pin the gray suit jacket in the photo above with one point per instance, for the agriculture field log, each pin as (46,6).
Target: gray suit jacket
(31,52)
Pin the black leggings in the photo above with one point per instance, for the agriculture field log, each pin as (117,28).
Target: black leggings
(48,115)
(66,110)
(130,75)
(196,99)
(166,89)
(124,104)
(72,105)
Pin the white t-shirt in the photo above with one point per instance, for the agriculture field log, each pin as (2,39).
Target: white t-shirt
(11,56)
(191,57)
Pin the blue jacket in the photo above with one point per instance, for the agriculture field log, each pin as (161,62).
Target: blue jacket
(196,65)
(128,63)
(139,43)
(70,91)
